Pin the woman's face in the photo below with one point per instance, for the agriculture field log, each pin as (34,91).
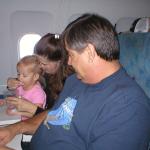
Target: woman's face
(48,66)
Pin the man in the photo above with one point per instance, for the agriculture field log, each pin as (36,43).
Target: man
(100,107)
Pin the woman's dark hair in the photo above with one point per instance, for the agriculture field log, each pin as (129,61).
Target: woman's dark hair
(50,47)
(94,29)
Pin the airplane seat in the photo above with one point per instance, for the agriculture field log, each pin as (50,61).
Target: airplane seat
(135,57)
(124,24)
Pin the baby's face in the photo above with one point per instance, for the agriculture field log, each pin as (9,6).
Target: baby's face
(26,76)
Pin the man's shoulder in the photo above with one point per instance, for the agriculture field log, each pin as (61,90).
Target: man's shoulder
(72,83)
(72,79)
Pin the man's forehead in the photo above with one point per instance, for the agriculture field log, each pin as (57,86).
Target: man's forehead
(69,50)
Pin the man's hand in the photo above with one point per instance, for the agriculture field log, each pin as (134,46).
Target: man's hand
(5,148)
(6,135)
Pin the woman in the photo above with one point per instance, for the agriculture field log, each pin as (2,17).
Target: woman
(54,64)
(53,61)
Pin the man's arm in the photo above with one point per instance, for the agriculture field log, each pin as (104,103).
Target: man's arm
(5,148)
(28,126)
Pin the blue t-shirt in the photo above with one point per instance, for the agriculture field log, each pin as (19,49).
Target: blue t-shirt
(112,114)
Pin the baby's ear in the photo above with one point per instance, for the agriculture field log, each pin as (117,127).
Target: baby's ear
(36,77)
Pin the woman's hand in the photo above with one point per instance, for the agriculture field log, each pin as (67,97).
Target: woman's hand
(13,83)
(18,113)
(22,105)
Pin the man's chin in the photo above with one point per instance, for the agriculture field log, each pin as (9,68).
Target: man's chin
(82,79)
(78,76)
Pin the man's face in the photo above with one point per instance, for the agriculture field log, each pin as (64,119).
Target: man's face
(79,61)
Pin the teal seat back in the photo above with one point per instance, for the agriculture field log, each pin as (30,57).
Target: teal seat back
(135,57)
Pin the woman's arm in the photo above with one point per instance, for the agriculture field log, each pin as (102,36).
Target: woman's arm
(28,126)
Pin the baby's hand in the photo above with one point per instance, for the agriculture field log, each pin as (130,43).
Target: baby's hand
(13,83)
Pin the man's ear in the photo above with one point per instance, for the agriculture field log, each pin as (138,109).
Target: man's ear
(91,52)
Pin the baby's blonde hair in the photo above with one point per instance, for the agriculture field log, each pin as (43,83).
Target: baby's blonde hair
(32,62)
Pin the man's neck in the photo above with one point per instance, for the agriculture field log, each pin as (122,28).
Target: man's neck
(104,70)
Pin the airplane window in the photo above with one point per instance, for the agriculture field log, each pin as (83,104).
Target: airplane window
(27,43)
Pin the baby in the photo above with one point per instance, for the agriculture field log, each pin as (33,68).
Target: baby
(28,73)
